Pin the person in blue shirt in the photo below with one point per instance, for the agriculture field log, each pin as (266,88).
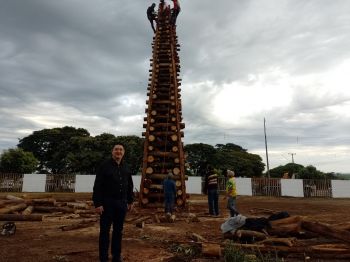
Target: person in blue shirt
(169,188)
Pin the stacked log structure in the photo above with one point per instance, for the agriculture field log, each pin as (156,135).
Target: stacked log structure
(163,147)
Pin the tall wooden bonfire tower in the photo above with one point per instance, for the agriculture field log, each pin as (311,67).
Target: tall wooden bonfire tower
(163,147)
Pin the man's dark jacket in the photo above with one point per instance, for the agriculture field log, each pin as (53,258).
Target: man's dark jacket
(113,181)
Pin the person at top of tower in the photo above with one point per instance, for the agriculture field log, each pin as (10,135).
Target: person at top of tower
(151,15)
(175,12)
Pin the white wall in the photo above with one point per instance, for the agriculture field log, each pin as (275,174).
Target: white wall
(244,186)
(194,185)
(292,187)
(84,183)
(137,182)
(289,187)
(341,188)
(34,183)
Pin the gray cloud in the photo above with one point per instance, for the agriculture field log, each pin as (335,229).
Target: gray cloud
(85,63)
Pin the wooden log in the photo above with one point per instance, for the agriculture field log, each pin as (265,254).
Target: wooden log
(331,248)
(287,220)
(84,212)
(196,237)
(28,210)
(19,217)
(44,201)
(81,224)
(141,219)
(326,230)
(250,233)
(149,170)
(211,249)
(77,205)
(150,159)
(49,209)
(289,242)
(164,154)
(176,171)
(342,226)
(285,230)
(10,209)
(155,186)
(11,197)
(4,203)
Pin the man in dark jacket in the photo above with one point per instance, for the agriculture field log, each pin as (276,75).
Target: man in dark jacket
(112,197)
(151,15)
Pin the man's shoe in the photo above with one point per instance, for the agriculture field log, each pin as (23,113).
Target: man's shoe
(119,259)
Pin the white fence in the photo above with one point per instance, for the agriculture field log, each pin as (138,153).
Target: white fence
(245,186)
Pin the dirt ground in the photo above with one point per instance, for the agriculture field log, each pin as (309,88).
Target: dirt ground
(45,241)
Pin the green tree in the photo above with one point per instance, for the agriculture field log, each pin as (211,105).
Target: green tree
(18,161)
(51,147)
(290,168)
(199,156)
(234,157)
(310,172)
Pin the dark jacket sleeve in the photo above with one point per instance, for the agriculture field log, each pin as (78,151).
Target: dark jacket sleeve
(130,192)
(97,195)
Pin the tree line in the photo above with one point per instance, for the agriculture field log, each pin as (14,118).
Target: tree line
(70,150)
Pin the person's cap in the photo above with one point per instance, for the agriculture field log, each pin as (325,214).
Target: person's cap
(230,173)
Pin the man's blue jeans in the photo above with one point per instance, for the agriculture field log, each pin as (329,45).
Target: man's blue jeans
(213,201)
(169,200)
(231,205)
(114,213)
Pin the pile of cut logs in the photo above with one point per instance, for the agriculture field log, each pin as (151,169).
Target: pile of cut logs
(13,208)
(297,236)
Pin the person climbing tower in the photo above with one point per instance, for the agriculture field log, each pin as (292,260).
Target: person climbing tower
(175,12)
(151,15)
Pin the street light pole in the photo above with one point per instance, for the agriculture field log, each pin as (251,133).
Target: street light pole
(267,155)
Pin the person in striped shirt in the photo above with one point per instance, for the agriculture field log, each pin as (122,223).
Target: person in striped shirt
(211,188)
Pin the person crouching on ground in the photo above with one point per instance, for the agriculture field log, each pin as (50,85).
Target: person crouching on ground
(231,193)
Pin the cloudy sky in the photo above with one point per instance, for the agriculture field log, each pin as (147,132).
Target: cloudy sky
(84,63)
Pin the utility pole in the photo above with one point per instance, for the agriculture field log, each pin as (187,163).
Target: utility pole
(292,162)
(267,155)
(292,156)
